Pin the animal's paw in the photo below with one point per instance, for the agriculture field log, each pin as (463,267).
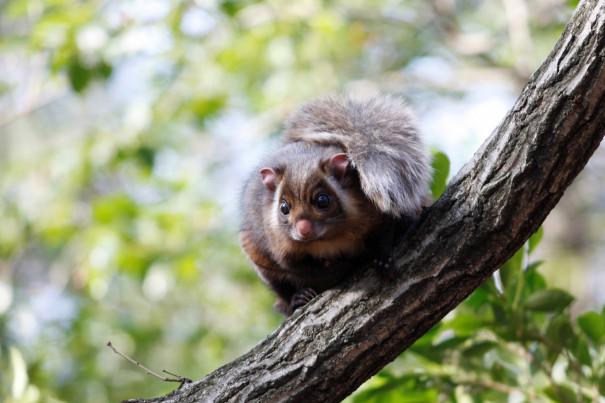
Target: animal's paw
(302,297)
(385,267)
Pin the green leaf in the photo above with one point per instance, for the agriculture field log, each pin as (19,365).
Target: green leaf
(428,337)
(207,107)
(510,271)
(424,345)
(580,351)
(79,76)
(592,325)
(550,300)
(104,70)
(467,323)
(146,155)
(441,170)
(479,349)
(535,239)
(395,394)
(479,298)
(534,282)
(533,266)
(562,393)
(114,208)
(389,388)
(451,343)
(231,7)
(559,330)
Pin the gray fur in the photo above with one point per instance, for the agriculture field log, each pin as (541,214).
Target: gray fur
(380,140)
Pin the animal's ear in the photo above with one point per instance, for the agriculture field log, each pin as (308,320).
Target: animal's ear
(339,164)
(269,177)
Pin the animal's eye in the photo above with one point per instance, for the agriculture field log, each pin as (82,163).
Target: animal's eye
(284,208)
(322,201)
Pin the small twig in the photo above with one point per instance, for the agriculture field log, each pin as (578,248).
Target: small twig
(178,378)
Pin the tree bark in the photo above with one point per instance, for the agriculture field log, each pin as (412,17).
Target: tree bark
(494,204)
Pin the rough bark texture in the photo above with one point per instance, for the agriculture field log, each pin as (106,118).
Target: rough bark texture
(495,203)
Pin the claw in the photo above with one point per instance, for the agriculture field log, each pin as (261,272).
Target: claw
(384,266)
(302,297)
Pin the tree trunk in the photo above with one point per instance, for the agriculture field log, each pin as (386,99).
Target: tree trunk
(494,204)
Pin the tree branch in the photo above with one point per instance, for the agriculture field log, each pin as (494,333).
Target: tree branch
(493,205)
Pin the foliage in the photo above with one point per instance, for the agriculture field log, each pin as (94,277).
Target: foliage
(513,338)
(441,171)
(126,126)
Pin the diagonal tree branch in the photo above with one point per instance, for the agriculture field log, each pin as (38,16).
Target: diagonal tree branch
(494,204)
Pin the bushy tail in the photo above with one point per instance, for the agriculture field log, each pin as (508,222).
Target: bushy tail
(381,141)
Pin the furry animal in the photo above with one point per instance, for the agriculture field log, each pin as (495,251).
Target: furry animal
(350,176)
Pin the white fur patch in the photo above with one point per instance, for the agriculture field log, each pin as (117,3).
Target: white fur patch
(273,222)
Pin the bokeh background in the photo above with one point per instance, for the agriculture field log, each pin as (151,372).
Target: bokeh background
(126,128)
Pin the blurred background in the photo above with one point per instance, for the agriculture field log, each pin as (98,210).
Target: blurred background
(126,128)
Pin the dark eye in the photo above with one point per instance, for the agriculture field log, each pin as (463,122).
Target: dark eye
(323,201)
(284,208)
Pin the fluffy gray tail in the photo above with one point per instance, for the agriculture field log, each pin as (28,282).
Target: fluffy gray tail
(381,141)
